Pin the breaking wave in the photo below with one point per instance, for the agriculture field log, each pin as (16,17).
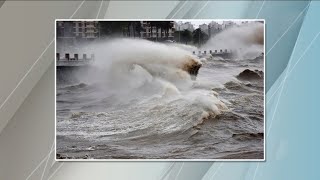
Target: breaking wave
(142,85)
(142,69)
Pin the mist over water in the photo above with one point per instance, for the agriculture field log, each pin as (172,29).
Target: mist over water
(137,101)
(246,41)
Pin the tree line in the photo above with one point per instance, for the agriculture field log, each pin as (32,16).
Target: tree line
(196,37)
(133,28)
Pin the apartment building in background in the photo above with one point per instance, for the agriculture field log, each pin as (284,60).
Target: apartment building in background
(150,32)
(214,28)
(204,28)
(180,26)
(228,24)
(78,29)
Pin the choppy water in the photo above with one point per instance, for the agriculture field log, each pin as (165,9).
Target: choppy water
(220,115)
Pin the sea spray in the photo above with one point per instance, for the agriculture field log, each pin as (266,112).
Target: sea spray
(138,70)
(246,41)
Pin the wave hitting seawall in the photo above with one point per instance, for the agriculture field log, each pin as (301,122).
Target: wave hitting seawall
(138,101)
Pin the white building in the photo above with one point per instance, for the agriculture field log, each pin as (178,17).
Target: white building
(214,28)
(228,24)
(86,29)
(184,26)
(204,28)
(77,29)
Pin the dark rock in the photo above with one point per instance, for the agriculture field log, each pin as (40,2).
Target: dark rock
(248,136)
(248,74)
(192,66)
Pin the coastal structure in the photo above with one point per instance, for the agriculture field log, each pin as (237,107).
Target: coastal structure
(73,60)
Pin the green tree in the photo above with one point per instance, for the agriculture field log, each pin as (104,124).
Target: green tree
(185,36)
(138,28)
(166,25)
(156,25)
(120,28)
(199,37)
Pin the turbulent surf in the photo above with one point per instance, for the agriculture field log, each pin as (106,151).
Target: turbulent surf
(142,99)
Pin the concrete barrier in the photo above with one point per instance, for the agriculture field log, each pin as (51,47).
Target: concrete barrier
(224,53)
(67,56)
(73,60)
(76,57)
(212,52)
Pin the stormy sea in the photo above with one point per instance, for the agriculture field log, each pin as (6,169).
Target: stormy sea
(138,101)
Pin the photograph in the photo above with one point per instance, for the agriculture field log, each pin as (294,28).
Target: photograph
(189,90)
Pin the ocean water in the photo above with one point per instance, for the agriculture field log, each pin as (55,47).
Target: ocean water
(137,102)
(217,116)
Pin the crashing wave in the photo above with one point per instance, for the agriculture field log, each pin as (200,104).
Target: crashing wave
(140,70)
